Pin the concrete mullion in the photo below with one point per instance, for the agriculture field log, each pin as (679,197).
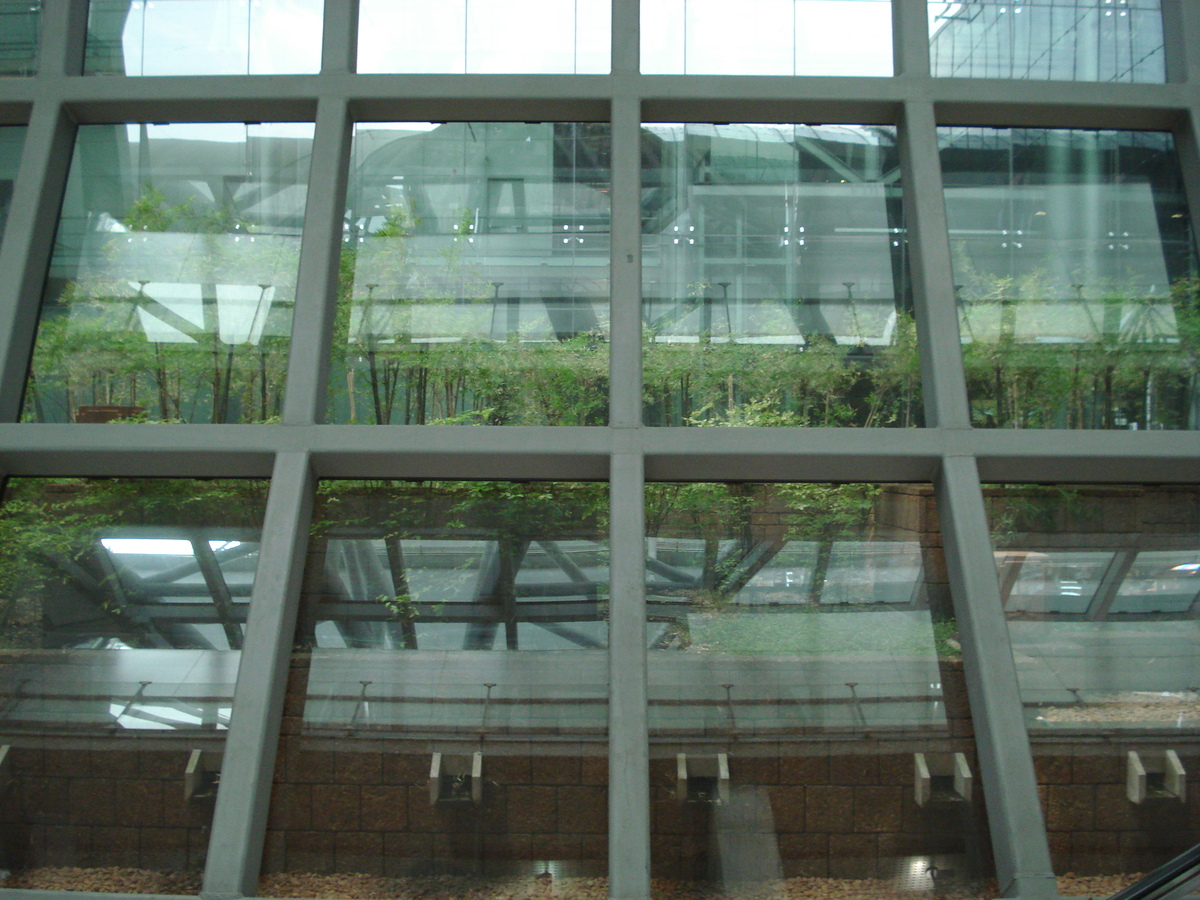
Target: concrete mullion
(339,40)
(942,377)
(628,722)
(1181,29)
(625,343)
(1187,142)
(239,822)
(64,34)
(910,37)
(28,243)
(629,761)
(1181,39)
(626,36)
(1015,818)
(320,254)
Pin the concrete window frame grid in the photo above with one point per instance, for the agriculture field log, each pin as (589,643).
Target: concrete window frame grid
(947,451)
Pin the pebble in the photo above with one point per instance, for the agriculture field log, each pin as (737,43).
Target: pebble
(114,879)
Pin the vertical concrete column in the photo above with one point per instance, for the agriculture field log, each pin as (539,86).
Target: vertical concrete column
(239,826)
(1181,27)
(1181,40)
(63,38)
(1017,827)
(320,253)
(625,342)
(1181,31)
(910,37)
(942,379)
(628,761)
(339,40)
(28,243)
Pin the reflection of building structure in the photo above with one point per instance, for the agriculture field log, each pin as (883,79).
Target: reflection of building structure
(904,646)
(1059,40)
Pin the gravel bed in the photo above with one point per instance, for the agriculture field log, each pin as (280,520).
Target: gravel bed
(109,879)
(115,879)
(1130,708)
(369,887)
(1072,885)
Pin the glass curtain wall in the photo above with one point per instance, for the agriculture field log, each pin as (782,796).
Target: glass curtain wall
(779,37)
(203,37)
(1060,40)
(20,29)
(123,605)
(780,657)
(12,140)
(809,729)
(1101,589)
(775,277)
(496,36)
(1075,267)
(474,276)
(170,292)
(446,722)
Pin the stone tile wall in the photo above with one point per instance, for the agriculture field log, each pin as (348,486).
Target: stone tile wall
(1092,826)
(101,807)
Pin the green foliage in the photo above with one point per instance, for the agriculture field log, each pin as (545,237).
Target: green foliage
(93,348)
(49,528)
(523,510)
(1124,359)
(819,384)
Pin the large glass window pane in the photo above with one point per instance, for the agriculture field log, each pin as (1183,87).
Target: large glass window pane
(767,37)
(20,29)
(171,288)
(203,37)
(12,140)
(775,277)
(474,282)
(1059,40)
(809,728)
(1101,588)
(123,605)
(445,731)
(519,36)
(1075,267)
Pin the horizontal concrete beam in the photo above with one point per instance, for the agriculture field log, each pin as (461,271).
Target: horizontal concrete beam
(707,98)
(672,454)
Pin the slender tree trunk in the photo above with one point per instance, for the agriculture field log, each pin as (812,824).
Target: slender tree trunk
(1108,389)
(999,390)
(422,381)
(374,373)
(262,387)
(820,569)
(36,396)
(216,381)
(225,387)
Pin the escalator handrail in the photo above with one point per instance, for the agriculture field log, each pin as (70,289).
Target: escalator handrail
(1168,875)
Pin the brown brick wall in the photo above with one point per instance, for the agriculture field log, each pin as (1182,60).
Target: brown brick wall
(1092,826)
(369,811)
(82,807)
(845,815)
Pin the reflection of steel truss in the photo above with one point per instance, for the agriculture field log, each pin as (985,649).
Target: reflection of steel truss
(365,593)
(59,712)
(109,597)
(1099,607)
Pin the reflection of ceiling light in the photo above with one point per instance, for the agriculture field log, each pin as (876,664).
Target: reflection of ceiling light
(1186,567)
(159,546)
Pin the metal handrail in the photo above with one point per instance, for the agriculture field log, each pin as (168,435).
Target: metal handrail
(1164,881)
